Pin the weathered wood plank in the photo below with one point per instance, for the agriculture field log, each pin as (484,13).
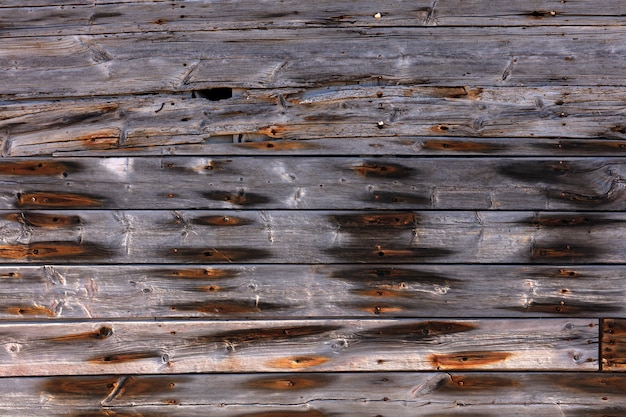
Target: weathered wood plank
(52,18)
(299,291)
(319,395)
(303,345)
(198,237)
(582,184)
(158,62)
(139,124)
(613,344)
(333,409)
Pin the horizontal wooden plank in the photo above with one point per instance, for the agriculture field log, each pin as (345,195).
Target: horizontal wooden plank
(52,18)
(319,395)
(581,184)
(198,237)
(261,121)
(158,62)
(301,291)
(304,345)
(332,409)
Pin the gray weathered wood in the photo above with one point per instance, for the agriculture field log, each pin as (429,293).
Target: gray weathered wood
(580,184)
(157,62)
(198,237)
(139,124)
(54,18)
(303,345)
(319,395)
(299,291)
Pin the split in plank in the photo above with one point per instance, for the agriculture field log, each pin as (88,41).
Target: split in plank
(303,345)
(245,122)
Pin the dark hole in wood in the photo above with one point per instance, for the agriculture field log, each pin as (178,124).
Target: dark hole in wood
(215,94)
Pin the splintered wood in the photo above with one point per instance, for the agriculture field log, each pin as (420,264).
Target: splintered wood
(314,209)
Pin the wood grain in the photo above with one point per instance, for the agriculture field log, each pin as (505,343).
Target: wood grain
(254,122)
(53,18)
(295,346)
(580,184)
(344,394)
(29,293)
(314,237)
(107,65)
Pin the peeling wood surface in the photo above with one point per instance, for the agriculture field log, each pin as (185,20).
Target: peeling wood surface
(305,345)
(298,291)
(230,207)
(581,184)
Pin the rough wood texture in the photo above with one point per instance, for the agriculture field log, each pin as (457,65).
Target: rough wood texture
(305,345)
(341,183)
(155,62)
(267,121)
(315,395)
(231,194)
(403,237)
(300,291)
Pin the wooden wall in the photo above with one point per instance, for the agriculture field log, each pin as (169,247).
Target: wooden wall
(253,208)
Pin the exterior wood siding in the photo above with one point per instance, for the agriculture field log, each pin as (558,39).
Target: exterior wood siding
(245,208)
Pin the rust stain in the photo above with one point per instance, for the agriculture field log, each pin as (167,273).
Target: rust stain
(204,273)
(297,362)
(218,255)
(564,251)
(37,167)
(568,273)
(151,385)
(240,198)
(110,413)
(95,386)
(562,307)
(387,197)
(467,360)
(222,221)
(383,293)
(447,92)
(379,309)
(228,307)
(274,131)
(50,250)
(393,276)
(291,145)
(376,169)
(103,139)
(31,311)
(561,221)
(60,200)
(385,220)
(290,382)
(413,332)
(268,335)
(613,344)
(471,382)
(46,221)
(12,275)
(102,333)
(440,129)
(462,146)
(118,358)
